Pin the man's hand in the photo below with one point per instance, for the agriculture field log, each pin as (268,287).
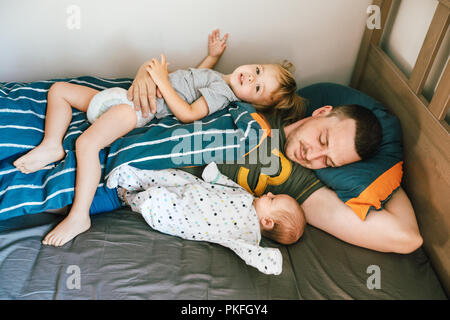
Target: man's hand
(143,92)
(216,46)
(158,71)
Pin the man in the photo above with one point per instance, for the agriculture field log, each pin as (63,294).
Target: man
(325,139)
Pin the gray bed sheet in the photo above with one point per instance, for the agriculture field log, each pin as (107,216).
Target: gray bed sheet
(121,257)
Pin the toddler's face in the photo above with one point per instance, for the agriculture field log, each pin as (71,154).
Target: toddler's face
(255,83)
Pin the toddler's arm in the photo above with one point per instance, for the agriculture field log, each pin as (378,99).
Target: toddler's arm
(143,91)
(216,47)
(184,111)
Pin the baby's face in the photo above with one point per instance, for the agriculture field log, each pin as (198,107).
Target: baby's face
(255,83)
(268,204)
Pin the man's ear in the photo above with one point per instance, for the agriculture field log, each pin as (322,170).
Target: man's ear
(267,223)
(322,111)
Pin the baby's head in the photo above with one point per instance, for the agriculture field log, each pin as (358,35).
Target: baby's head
(268,86)
(280,217)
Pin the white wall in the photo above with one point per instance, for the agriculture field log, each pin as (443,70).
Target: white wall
(321,37)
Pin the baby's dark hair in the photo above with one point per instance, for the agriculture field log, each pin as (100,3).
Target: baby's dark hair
(286,100)
(288,225)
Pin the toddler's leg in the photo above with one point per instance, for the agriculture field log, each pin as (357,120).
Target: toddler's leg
(61,97)
(114,123)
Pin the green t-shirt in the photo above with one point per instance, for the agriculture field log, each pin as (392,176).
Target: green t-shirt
(267,169)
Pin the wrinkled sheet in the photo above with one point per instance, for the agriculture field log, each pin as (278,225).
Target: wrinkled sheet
(121,257)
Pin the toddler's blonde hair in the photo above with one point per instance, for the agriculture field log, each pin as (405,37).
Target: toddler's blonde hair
(286,100)
(288,225)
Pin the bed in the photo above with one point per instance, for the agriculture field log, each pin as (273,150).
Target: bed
(120,257)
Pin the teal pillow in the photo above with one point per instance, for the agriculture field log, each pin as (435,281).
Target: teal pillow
(366,184)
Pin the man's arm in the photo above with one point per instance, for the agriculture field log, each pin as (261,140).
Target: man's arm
(393,229)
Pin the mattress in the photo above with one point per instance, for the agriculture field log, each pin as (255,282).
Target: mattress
(121,257)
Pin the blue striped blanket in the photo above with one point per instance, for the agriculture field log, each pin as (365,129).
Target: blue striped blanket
(165,143)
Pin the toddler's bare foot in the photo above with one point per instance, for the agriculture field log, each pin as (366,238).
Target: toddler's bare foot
(74,224)
(39,157)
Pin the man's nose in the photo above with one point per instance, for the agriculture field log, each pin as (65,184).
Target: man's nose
(315,153)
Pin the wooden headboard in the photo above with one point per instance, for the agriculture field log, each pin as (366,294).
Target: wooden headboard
(426,137)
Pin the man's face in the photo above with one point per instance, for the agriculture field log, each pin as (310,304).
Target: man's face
(319,141)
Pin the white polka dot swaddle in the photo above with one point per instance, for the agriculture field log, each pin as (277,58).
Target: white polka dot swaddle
(215,209)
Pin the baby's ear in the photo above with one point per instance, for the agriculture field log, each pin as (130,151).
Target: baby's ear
(267,223)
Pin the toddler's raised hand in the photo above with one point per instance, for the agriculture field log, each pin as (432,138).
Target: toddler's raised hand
(216,46)
(158,70)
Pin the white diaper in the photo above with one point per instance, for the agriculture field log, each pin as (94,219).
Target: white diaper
(105,99)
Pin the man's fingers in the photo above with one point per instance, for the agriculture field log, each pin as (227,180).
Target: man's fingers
(144,104)
(145,111)
(152,105)
(158,93)
(140,92)
(136,97)
(144,100)
(130,92)
(151,88)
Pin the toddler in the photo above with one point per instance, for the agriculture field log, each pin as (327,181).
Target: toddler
(215,209)
(188,94)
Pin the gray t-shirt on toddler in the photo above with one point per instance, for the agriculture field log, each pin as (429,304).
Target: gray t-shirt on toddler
(192,83)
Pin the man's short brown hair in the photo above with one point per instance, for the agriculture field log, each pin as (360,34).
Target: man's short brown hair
(368,128)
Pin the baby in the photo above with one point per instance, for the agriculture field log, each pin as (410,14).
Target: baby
(215,209)
(188,94)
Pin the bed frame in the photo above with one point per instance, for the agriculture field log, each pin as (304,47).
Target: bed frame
(426,135)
